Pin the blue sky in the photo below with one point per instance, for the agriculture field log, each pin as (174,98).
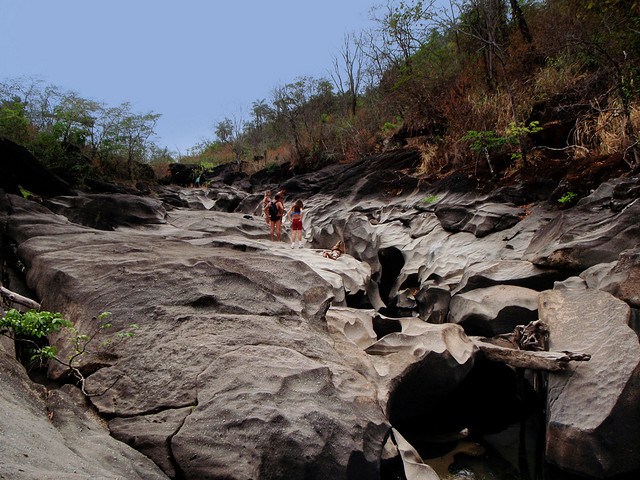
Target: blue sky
(193,61)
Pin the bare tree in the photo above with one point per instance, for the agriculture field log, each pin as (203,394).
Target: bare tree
(348,70)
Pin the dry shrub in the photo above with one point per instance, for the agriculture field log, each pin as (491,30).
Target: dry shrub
(493,110)
(275,157)
(560,75)
(603,133)
(431,160)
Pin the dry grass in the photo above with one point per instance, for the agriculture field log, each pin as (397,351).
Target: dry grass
(560,77)
(431,162)
(274,158)
(604,133)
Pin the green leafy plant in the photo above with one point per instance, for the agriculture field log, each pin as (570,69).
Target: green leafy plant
(271,168)
(32,327)
(431,199)
(25,193)
(515,132)
(488,140)
(32,323)
(567,198)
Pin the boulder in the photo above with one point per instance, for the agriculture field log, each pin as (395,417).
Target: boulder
(230,330)
(52,436)
(108,211)
(412,367)
(595,231)
(433,303)
(620,278)
(508,272)
(151,435)
(493,310)
(593,425)
(480,220)
(419,366)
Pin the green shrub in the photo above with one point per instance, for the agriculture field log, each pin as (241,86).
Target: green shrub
(431,199)
(32,327)
(567,198)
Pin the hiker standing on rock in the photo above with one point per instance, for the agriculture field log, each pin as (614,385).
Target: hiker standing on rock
(295,217)
(281,192)
(265,206)
(276,210)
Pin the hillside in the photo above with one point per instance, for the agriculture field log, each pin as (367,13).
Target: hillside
(497,90)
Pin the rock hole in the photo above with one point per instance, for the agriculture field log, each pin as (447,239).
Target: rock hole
(634,320)
(391,263)
(412,281)
(491,408)
(384,326)
(204,301)
(358,300)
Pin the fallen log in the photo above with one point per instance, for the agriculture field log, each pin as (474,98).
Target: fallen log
(534,360)
(14,297)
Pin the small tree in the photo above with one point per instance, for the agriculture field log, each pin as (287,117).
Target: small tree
(488,140)
(31,328)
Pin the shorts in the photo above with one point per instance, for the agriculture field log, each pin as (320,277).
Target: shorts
(296,224)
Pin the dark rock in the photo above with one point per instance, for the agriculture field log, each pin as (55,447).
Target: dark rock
(20,168)
(508,272)
(108,211)
(99,186)
(480,220)
(51,435)
(182,174)
(621,278)
(433,304)
(493,310)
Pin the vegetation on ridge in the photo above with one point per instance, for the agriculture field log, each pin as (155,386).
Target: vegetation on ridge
(504,84)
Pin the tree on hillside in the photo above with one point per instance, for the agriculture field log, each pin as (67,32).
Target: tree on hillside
(230,131)
(224,130)
(289,101)
(402,27)
(303,109)
(348,70)
(14,123)
(74,119)
(254,131)
(609,33)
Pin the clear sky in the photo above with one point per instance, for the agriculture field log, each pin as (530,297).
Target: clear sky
(193,61)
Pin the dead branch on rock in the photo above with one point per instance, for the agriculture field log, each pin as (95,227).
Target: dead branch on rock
(527,347)
(13,297)
(534,360)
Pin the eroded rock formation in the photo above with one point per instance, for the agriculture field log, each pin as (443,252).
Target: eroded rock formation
(238,368)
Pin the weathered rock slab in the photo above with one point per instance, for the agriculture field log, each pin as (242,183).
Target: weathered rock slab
(593,427)
(52,438)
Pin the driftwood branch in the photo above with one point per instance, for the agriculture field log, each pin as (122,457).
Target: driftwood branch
(13,297)
(534,360)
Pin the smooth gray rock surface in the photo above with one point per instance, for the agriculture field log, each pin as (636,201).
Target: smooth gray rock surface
(233,352)
(231,331)
(51,436)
